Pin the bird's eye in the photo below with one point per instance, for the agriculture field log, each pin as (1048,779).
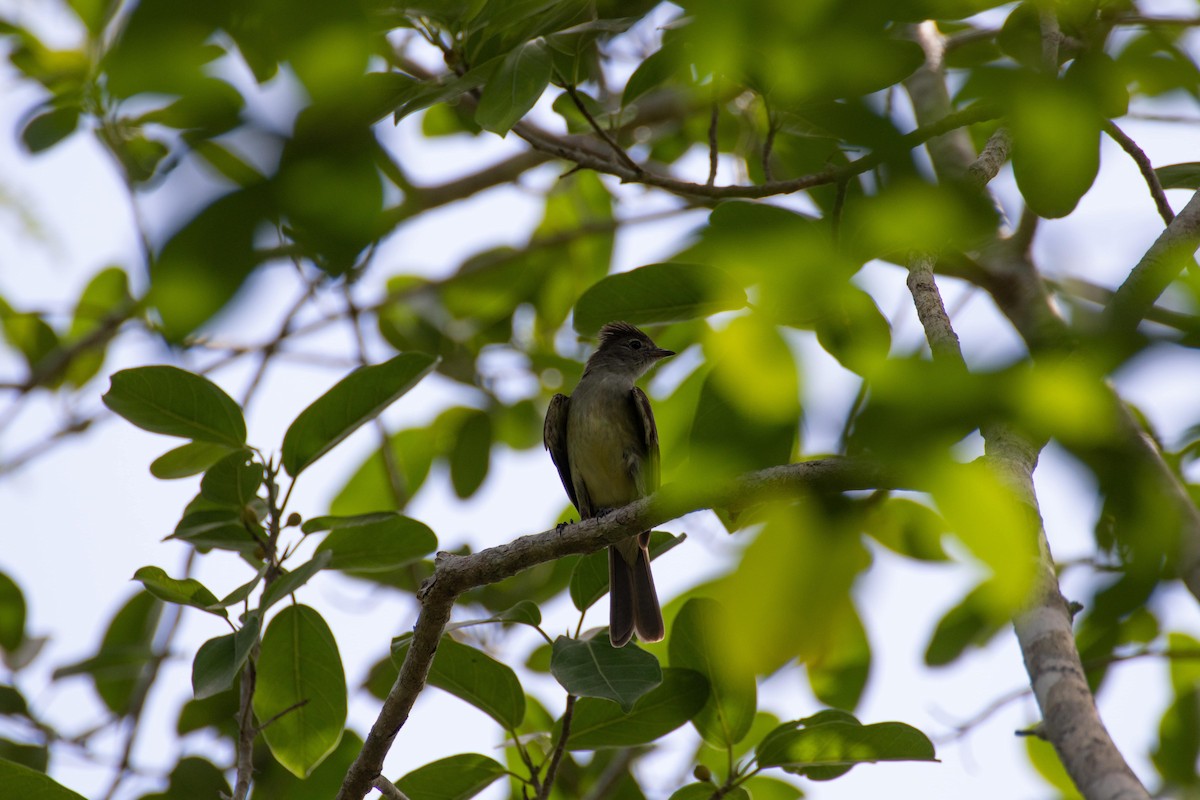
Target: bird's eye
(635,344)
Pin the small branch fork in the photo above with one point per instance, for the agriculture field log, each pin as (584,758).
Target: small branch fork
(454,575)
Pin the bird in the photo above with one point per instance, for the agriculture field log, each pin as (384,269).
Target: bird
(604,442)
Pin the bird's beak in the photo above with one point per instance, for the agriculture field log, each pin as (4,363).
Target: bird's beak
(658,352)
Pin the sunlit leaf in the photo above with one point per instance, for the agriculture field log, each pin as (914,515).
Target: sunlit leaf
(188,591)
(732,702)
(301,689)
(351,403)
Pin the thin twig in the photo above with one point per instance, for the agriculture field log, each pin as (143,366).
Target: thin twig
(618,151)
(389,789)
(559,749)
(246,730)
(1145,167)
(714,147)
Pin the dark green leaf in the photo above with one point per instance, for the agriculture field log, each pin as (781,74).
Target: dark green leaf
(21,781)
(188,591)
(172,401)
(204,264)
(232,481)
(454,778)
(222,528)
(273,782)
(194,778)
(12,702)
(835,744)
(705,791)
(473,676)
(657,293)
(352,402)
(594,668)
(289,582)
(514,87)
(49,128)
(377,543)
(219,660)
(589,579)
(1179,176)
(300,678)
(187,460)
(733,694)
(470,455)
(12,614)
(601,723)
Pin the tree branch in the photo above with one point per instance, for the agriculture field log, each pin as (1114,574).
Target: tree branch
(559,749)
(1171,253)
(453,575)
(1145,167)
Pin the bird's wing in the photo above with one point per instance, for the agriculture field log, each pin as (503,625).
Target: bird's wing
(554,434)
(648,479)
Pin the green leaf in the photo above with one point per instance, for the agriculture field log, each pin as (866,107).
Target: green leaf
(655,70)
(219,660)
(172,401)
(204,264)
(838,675)
(187,592)
(839,744)
(1179,176)
(377,543)
(12,702)
(49,128)
(104,302)
(1056,145)
(471,453)
(124,653)
(30,784)
(589,579)
(705,791)
(187,460)
(594,668)
(193,778)
(300,677)
(601,723)
(733,694)
(352,402)
(273,782)
(289,582)
(12,614)
(233,481)
(514,87)
(525,612)
(473,676)
(657,293)
(220,528)
(909,528)
(454,778)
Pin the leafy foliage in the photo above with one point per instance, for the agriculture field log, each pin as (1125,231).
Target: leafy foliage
(776,134)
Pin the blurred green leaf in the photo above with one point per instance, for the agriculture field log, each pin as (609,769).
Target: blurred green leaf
(206,261)
(351,403)
(302,688)
(838,675)
(473,676)
(23,781)
(589,579)
(49,128)
(594,668)
(1179,176)
(12,614)
(1056,145)
(1045,760)
(973,622)
(376,542)
(471,454)
(601,723)
(172,401)
(454,778)
(194,778)
(370,487)
(837,744)
(726,717)
(657,293)
(909,528)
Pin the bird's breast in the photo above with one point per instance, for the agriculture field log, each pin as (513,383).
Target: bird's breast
(602,438)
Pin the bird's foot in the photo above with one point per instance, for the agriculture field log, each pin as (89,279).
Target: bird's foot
(603,512)
(559,527)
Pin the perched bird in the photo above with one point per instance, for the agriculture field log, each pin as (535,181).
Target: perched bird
(605,444)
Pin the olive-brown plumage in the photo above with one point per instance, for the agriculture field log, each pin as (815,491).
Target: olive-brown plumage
(605,444)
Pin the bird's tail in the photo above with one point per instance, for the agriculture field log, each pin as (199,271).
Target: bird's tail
(633,602)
